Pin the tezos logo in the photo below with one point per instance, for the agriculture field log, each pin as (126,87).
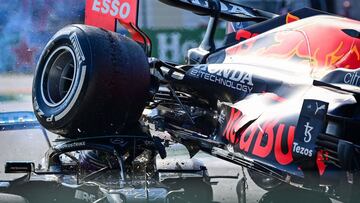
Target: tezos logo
(115,8)
(307,133)
(302,150)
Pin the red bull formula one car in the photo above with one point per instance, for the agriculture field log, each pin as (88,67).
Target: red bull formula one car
(280,97)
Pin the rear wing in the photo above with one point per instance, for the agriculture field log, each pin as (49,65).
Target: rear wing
(108,14)
(229,10)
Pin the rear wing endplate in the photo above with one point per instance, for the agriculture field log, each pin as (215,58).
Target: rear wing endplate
(107,14)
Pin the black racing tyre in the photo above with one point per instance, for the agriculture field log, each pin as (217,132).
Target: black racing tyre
(265,182)
(90,82)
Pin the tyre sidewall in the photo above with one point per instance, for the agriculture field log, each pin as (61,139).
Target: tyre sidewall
(56,117)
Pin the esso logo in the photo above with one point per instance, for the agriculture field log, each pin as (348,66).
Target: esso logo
(116,8)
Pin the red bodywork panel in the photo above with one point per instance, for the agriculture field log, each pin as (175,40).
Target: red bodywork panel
(320,40)
(106,13)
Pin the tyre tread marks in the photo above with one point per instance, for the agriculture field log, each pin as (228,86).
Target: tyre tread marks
(114,54)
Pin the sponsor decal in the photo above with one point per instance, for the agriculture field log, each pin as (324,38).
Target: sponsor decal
(307,132)
(37,109)
(235,79)
(352,79)
(72,145)
(302,150)
(78,51)
(141,195)
(50,119)
(275,138)
(309,126)
(81,195)
(265,132)
(319,108)
(116,8)
(269,138)
(230,129)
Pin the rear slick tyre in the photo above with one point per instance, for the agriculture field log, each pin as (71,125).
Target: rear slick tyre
(90,82)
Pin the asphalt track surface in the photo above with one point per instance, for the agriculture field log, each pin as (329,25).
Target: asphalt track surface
(29,145)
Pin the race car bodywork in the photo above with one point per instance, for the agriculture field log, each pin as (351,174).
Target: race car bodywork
(62,176)
(287,92)
(280,97)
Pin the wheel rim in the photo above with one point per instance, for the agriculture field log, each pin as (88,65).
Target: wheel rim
(58,76)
